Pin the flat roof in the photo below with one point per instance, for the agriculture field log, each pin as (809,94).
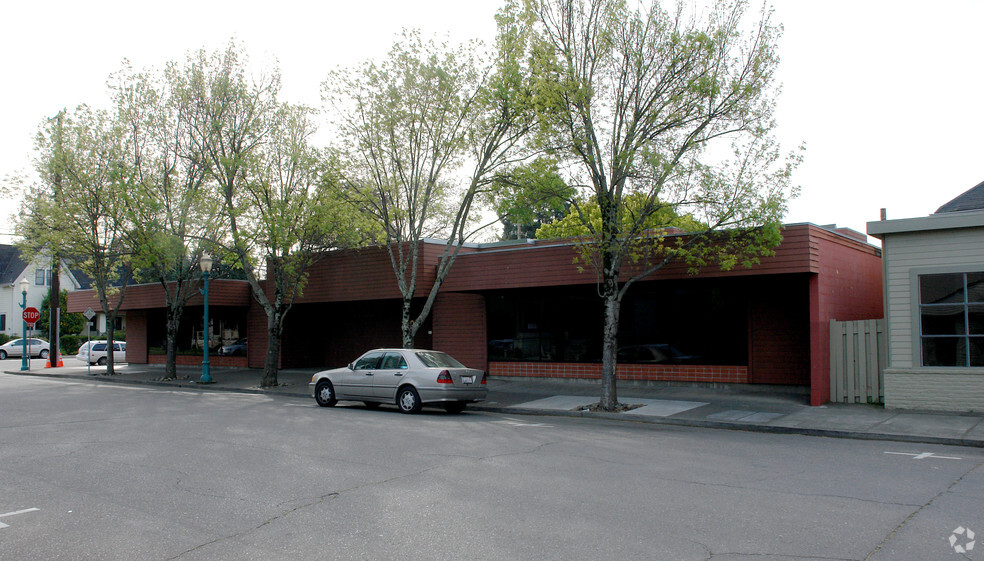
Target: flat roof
(945,221)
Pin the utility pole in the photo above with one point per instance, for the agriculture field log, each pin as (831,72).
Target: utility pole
(54,292)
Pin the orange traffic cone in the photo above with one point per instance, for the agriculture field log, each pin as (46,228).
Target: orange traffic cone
(47,363)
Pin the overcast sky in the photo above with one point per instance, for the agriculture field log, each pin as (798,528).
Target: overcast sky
(885,94)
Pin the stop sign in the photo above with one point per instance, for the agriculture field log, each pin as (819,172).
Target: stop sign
(31,316)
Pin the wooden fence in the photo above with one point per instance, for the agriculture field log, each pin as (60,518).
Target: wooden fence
(858,355)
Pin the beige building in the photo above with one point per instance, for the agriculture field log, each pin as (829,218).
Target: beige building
(934,306)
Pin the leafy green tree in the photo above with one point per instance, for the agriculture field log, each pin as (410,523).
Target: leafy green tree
(529,195)
(168,208)
(68,324)
(658,115)
(85,220)
(422,135)
(277,193)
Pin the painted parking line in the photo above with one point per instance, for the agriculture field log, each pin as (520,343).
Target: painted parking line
(15,513)
(924,455)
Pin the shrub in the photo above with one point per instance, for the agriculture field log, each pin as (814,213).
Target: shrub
(69,344)
(4,338)
(119,335)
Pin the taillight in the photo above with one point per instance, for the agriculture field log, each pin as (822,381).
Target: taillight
(444,377)
(485,375)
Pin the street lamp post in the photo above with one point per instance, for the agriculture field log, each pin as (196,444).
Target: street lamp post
(27,349)
(206,265)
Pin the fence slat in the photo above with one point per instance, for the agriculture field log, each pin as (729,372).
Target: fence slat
(858,356)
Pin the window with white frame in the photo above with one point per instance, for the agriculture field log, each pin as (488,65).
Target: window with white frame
(951,319)
(42,277)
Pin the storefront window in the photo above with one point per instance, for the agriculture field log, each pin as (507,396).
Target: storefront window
(660,323)
(951,318)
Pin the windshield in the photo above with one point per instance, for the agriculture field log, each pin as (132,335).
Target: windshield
(435,359)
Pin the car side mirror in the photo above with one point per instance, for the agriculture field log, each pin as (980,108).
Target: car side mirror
(351,366)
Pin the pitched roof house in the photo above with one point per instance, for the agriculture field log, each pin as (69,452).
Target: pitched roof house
(37,271)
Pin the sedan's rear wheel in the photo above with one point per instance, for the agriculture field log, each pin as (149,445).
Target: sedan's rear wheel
(455,406)
(324,394)
(408,400)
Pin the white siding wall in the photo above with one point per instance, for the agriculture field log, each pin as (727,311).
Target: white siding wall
(921,253)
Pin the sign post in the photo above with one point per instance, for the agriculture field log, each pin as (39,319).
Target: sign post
(30,316)
(89,314)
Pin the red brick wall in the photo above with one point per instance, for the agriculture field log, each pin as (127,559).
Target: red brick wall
(459,328)
(136,336)
(193,360)
(849,287)
(651,372)
(779,330)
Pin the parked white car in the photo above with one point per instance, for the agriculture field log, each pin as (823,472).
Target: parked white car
(35,347)
(95,352)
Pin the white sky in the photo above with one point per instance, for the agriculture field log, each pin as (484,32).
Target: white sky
(886,94)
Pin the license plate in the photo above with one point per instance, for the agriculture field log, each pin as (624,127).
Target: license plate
(467,379)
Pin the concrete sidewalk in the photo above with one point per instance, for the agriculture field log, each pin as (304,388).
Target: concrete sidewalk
(774,409)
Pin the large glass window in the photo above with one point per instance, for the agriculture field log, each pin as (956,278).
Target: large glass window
(951,318)
(669,322)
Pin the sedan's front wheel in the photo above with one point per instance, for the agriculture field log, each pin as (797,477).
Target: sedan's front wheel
(43,353)
(3,354)
(408,400)
(324,394)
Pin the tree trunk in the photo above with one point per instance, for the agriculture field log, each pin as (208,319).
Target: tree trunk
(609,352)
(272,363)
(170,363)
(407,326)
(110,322)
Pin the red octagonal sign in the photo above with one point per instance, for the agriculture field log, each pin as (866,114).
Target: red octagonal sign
(31,316)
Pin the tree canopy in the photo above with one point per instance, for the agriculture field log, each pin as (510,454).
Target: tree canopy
(659,117)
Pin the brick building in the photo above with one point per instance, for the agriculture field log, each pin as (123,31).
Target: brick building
(524,308)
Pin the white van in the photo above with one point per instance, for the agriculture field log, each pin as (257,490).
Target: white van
(94,352)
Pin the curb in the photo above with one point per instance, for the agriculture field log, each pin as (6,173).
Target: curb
(744,427)
(694,423)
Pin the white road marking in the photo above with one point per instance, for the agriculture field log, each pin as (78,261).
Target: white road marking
(924,455)
(517,423)
(15,513)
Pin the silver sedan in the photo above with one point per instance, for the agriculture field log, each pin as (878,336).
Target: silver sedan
(36,347)
(408,378)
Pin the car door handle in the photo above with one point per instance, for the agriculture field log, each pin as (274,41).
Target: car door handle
(398,374)
(368,373)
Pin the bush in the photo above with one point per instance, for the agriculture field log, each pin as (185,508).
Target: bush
(4,338)
(69,344)
(119,335)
